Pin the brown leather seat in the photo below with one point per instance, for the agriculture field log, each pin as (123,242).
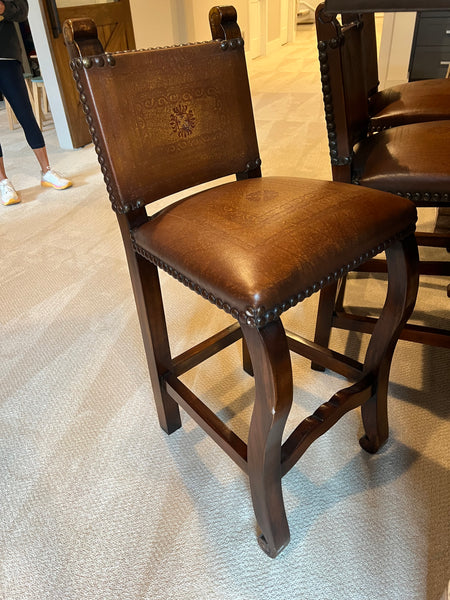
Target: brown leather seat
(240,223)
(408,160)
(411,102)
(254,247)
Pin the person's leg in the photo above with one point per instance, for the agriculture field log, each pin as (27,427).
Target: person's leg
(41,155)
(2,164)
(14,89)
(2,169)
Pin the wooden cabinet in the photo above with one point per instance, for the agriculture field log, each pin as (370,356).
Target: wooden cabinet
(430,53)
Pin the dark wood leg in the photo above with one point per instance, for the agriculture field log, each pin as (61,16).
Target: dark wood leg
(403,280)
(325,311)
(149,304)
(150,310)
(271,362)
(246,360)
(339,303)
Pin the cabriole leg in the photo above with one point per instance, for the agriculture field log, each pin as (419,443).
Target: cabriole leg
(403,280)
(271,362)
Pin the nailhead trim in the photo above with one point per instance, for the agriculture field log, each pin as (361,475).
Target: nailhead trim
(232,44)
(378,128)
(76,65)
(260,316)
(99,60)
(323,46)
(434,198)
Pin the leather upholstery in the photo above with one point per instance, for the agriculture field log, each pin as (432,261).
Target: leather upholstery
(412,102)
(408,159)
(226,241)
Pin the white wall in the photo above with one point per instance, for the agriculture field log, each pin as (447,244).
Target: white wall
(155,23)
(159,23)
(196,16)
(43,49)
(395,48)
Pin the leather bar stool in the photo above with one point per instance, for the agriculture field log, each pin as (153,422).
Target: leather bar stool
(254,247)
(407,160)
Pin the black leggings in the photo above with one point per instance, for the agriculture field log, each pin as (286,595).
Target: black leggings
(13,88)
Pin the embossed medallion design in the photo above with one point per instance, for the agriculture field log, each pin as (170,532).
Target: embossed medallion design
(182,120)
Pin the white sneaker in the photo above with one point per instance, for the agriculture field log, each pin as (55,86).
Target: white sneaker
(8,194)
(52,178)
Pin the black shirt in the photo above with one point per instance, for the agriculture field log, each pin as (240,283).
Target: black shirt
(15,11)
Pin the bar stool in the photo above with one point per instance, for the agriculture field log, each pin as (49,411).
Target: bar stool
(254,247)
(39,101)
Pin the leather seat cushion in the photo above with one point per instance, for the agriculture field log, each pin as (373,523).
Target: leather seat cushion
(412,102)
(409,159)
(258,243)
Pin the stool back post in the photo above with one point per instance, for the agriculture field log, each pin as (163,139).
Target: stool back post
(345,102)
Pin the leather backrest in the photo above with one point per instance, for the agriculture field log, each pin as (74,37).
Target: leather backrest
(168,119)
(344,84)
(360,6)
(369,48)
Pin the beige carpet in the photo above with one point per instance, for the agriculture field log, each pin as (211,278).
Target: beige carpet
(98,503)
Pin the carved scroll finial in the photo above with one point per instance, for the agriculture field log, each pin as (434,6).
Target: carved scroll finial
(223,23)
(81,38)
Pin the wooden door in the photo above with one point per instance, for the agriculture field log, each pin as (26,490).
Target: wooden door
(115,30)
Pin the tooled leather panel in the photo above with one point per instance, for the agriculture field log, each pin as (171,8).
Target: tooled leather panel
(167,119)
(412,102)
(412,160)
(257,247)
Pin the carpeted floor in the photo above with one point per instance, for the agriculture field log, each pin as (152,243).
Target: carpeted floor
(97,503)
